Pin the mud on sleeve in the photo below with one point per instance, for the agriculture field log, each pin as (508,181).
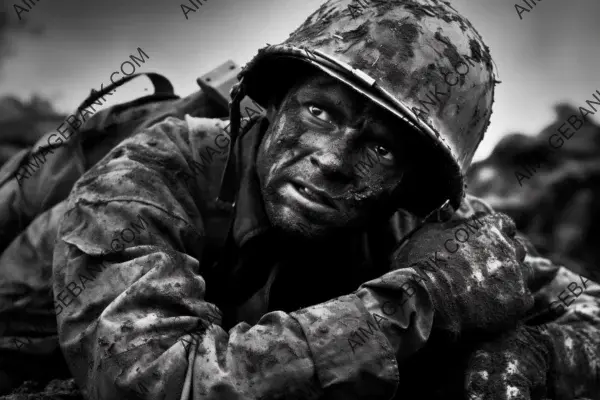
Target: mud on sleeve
(130,306)
(570,304)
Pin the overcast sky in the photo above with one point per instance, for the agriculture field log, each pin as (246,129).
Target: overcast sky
(551,55)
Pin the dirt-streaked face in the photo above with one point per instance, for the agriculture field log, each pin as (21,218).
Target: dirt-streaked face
(330,159)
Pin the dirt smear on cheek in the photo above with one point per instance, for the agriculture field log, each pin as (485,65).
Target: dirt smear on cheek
(281,141)
(369,192)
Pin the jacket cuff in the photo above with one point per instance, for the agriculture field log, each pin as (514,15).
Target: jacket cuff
(347,364)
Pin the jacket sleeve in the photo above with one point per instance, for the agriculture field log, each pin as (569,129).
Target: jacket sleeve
(570,306)
(130,299)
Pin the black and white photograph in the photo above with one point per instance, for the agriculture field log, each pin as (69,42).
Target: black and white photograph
(299,200)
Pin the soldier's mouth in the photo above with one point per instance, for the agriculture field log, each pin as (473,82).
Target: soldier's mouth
(312,196)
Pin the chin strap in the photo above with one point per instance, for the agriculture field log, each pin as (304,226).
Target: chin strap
(225,201)
(229,180)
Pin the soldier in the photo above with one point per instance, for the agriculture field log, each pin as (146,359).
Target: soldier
(404,87)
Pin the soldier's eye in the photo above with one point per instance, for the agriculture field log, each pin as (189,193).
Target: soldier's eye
(319,113)
(383,152)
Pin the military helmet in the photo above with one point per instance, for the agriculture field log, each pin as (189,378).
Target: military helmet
(419,59)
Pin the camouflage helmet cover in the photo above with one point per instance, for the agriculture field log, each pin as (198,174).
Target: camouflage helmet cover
(420,59)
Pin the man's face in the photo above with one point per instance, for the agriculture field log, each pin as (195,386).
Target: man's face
(330,159)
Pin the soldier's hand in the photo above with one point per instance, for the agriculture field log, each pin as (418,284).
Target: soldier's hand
(474,271)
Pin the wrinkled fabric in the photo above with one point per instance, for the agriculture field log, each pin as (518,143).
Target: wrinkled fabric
(536,362)
(27,270)
(28,335)
(30,188)
(35,180)
(511,367)
(142,226)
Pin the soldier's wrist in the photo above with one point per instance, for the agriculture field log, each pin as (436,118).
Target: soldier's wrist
(447,311)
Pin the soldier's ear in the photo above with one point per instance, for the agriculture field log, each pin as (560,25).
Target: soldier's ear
(274,104)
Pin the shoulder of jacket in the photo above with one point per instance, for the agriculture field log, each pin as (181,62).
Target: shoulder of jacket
(209,126)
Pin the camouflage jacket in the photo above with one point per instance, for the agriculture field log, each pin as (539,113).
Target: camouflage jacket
(153,303)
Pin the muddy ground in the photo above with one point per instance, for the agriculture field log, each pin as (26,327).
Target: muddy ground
(54,390)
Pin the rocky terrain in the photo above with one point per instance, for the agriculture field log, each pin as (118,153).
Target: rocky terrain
(54,390)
